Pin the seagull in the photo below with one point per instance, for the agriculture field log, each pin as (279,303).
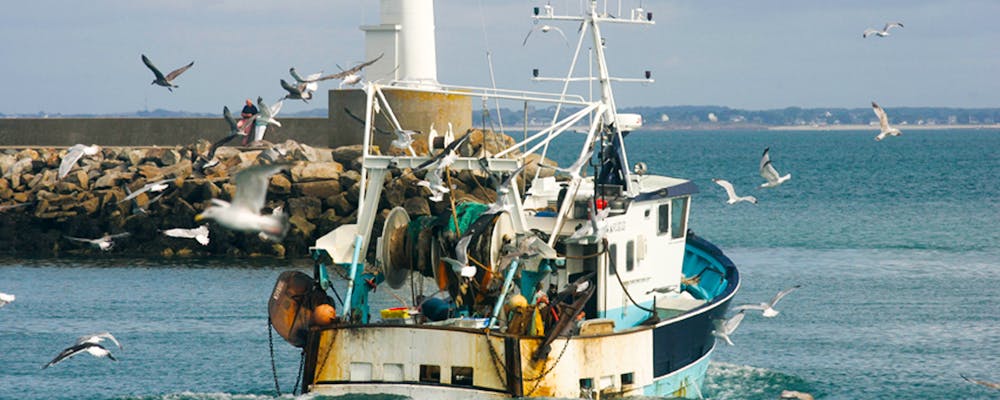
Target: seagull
(18,167)
(447,156)
(200,234)
(990,385)
(166,81)
(502,189)
(97,338)
(527,247)
(881,33)
(306,79)
(768,172)
(206,161)
(157,186)
(104,243)
(545,29)
(433,182)
(94,349)
(726,327)
(243,214)
(350,76)
(300,91)
(574,171)
(404,138)
(883,122)
(595,230)
(768,307)
(6,298)
(460,264)
(73,154)
(733,198)
(267,114)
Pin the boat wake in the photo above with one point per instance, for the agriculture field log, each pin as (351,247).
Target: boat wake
(731,381)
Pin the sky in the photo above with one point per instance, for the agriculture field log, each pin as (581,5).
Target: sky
(84,56)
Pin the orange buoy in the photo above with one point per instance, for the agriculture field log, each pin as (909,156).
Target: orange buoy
(323,314)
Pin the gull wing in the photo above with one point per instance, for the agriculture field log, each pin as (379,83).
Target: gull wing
(733,322)
(768,172)
(774,301)
(869,32)
(765,158)
(728,186)
(740,308)
(892,25)
(69,161)
(350,71)
(296,76)
(175,73)
(70,352)
(292,89)
(80,239)
(462,248)
(251,186)
(883,119)
(94,338)
(116,236)
(149,64)
(228,116)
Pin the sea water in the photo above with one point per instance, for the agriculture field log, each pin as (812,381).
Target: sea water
(893,242)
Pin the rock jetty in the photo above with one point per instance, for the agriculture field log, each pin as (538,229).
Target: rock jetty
(39,211)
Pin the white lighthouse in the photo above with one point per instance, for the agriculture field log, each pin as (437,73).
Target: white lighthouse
(406,38)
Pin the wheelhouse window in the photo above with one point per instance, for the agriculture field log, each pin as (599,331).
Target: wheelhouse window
(678,224)
(430,373)
(630,255)
(613,259)
(461,376)
(663,211)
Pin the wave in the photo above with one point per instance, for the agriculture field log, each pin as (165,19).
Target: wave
(743,382)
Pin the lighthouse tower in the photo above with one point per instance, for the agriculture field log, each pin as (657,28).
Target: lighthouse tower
(405,39)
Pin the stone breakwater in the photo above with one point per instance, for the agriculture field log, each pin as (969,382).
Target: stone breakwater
(319,192)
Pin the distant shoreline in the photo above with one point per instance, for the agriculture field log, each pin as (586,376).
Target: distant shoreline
(874,127)
(806,128)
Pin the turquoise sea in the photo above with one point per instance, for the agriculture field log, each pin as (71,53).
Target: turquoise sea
(894,242)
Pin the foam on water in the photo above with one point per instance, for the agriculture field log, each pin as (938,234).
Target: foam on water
(730,381)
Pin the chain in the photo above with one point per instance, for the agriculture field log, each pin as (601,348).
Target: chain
(538,380)
(302,363)
(274,368)
(496,359)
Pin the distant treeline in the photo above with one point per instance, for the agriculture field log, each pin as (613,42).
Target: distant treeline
(668,116)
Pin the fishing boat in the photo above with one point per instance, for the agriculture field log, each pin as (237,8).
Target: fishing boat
(585,282)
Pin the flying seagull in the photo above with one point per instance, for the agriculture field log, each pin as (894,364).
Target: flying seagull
(768,307)
(94,349)
(883,121)
(768,172)
(433,182)
(104,243)
(200,234)
(990,385)
(733,198)
(460,264)
(73,154)
(243,214)
(166,81)
(157,186)
(6,298)
(350,76)
(545,29)
(299,91)
(304,79)
(97,338)
(502,189)
(267,114)
(593,230)
(575,171)
(447,156)
(208,160)
(404,139)
(726,327)
(881,33)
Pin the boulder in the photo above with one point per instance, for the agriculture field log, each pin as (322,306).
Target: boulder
(347,155)
(279,184)
(307,207)
(340,204)
(417,206)
(314,171)
(317,189)
(302,225)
